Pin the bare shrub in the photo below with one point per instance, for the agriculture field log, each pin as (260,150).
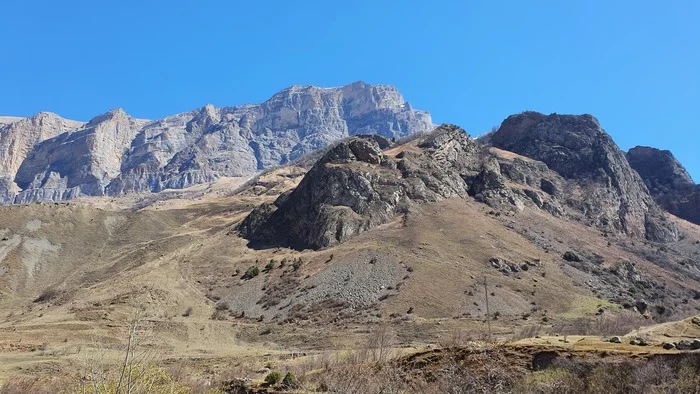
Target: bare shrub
(34,385)
(688,379)
(136,372)
(611,379)
(527,332)
(620,323)
(361,379)
(380,343)
(653,376)
(456,377)
(552,381)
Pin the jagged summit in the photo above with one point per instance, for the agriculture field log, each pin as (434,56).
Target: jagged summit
(18,138)
(659,168)
(117,113)
(117,154)
(577,148)
(668,181)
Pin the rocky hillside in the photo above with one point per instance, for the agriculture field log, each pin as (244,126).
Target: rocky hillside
(599,179)
(569,168)
(428,237)
(356,186)
(46,158)
(668,181)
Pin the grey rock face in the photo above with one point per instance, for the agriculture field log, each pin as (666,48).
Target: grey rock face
(355,186)
(77,163)
(115,154)
(577,148)
(17,138)
(668,181)
(201,146)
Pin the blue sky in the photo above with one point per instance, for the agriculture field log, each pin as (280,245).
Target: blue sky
(633,64)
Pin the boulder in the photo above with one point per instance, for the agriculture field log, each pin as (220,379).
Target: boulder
(571,256)
(641,306)
(684,345)
(696,344)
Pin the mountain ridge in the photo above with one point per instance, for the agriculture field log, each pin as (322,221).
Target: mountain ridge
(118,154)
(570,168)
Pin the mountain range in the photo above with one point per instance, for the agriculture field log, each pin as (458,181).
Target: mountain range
(329,221)
(48,158)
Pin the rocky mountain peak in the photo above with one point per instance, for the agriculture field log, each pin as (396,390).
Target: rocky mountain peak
(659,168)
(117,154)
(572,145)
(18,138)
(117,115)
(668,181)
(576,147)
(363,96)
(80,162)
(45,125)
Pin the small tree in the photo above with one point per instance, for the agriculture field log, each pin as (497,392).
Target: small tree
(289,381)
(273,378)
(251,272)
(297,263)
(269,266)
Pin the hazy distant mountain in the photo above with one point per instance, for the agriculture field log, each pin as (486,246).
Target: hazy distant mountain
(47,158)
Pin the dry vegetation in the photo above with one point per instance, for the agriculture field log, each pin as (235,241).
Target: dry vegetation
(65,308)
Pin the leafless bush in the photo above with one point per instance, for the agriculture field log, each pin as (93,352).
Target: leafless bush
(456,377)
(552,381)
(136,371)
(527,332)
(620,323)
(26,384)
(381,343)
(456,337)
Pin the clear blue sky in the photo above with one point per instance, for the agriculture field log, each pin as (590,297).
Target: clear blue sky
(633,64)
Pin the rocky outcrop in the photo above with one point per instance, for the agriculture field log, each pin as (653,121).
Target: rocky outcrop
(17,138)
(613,196)
(115,154)
(668,181)
(564,165)
(356,186)
(77,163)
